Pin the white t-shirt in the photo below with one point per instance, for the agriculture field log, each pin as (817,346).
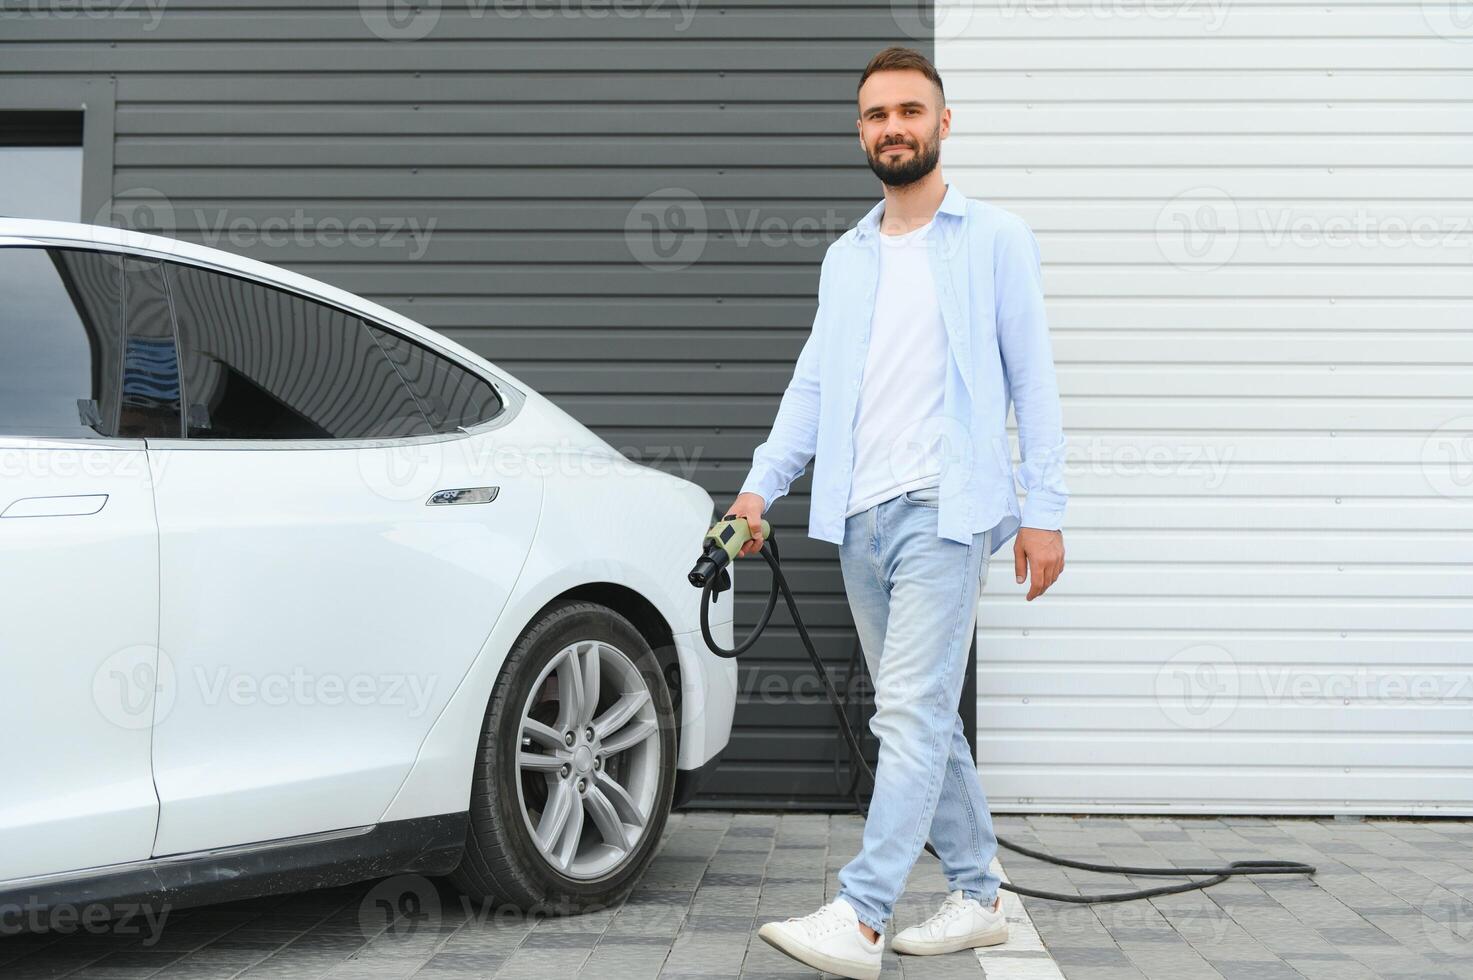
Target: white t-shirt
(898,428)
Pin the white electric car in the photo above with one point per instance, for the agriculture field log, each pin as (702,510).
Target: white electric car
(297,592)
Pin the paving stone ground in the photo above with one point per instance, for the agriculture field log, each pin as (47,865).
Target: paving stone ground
(1392,899)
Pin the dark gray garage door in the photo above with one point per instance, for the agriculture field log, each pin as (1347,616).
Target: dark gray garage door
(626,205)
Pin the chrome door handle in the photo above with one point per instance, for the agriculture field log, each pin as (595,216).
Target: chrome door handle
(71,505)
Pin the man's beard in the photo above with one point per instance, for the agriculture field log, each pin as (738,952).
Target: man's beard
(920,163)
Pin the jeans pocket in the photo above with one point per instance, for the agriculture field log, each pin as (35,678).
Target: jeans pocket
(924,496)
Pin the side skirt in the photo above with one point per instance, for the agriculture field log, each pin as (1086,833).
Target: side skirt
(423,845)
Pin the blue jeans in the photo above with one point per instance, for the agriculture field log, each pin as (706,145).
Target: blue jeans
(914,599)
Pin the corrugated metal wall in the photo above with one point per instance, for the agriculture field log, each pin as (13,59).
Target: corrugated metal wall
(626,205)
(1255,230)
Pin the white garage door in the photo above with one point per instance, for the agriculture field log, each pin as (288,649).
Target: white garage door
(1255,229)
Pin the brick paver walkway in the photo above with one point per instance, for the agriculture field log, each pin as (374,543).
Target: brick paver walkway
(1393,899)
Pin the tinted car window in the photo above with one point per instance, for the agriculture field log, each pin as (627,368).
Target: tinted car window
(263,363)
(151,389)
(60,342)
(450,395)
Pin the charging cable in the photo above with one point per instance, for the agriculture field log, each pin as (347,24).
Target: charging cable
(722,544)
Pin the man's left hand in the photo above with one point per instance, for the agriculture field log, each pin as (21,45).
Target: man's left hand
(1041,553)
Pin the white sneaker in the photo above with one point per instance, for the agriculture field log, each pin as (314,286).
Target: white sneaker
(827,940)
(961,923)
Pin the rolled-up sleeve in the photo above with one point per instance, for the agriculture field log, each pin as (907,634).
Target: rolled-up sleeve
(793,440)
(1028,364)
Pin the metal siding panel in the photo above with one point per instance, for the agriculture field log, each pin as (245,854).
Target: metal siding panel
(1267,606)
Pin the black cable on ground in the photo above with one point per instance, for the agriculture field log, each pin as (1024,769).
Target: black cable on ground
(1215,875)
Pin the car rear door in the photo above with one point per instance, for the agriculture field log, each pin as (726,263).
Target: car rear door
(321,596)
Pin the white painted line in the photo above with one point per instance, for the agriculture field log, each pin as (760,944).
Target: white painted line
(1018,958)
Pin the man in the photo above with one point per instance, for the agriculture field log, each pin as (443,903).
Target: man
(930,320)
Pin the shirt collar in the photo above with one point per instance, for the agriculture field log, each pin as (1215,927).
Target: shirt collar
(955,202)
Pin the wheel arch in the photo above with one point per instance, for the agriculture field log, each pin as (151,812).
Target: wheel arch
(646,617)
(440,779)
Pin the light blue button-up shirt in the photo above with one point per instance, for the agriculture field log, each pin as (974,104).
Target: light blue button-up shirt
(989,285)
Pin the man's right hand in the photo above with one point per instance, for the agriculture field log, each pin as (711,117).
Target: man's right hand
(750,506)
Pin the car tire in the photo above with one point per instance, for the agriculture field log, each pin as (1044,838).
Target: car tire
(515,855)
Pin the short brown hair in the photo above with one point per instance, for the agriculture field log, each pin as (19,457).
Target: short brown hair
(895,59)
